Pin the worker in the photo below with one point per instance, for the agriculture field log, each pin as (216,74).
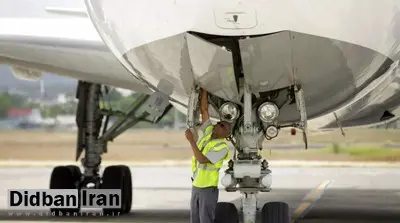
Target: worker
(208,156)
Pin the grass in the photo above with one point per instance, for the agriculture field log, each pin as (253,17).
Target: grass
(153,145)
(337,153)
(367,153)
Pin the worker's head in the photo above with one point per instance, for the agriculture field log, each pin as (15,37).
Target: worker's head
(222,129)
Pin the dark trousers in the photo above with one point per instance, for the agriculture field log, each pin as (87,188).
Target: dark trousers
(203,204)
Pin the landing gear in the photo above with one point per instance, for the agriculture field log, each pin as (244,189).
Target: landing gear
(226,212)
(271,212)
(93,136)
(118,177)
(247,172)
(275,212)
(65,177)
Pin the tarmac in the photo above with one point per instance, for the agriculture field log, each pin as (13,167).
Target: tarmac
(162,194)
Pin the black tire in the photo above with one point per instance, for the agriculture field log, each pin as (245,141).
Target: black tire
(118,177)
(63,177)
(128,185)
(76,172)
(226,213)
(275,212)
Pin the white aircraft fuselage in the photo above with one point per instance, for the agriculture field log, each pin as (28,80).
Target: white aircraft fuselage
(337,51)
(267,64)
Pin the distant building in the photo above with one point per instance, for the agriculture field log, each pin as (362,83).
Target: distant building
(19,113)
(25,118)
(66,121)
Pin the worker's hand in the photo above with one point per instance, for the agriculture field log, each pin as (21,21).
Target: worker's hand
(189,135)
(203,92)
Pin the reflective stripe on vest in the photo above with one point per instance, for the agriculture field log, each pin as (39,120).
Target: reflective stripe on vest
(204,166)
(207,174)
(201,145)
(217,147)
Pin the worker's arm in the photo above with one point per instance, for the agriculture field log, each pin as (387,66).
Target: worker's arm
(204,106)
(206,122)
(217,153)
(196,152)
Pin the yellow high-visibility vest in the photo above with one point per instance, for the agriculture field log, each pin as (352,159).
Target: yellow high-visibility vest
(207,175)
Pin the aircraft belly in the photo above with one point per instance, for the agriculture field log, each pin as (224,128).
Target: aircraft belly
(333,49)
(375,103)
(331,72)
(381,104)
(372,24)
(182,60)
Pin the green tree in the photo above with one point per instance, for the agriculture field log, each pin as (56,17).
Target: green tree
(114,95)
(5,105)
(8,101)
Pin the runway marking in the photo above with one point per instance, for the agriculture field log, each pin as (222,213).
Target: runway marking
(309,200)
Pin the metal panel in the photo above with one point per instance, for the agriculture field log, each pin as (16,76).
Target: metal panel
(338,72)
(165,60)
(331,72)
(185,59)
(267,61)
(213,68)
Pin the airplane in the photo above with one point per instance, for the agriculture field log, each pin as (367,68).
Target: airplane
(268,65)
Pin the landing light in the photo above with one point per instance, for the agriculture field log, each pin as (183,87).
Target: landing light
(271,131)
(266,181)
(228,180)
(229,111)
(268,112)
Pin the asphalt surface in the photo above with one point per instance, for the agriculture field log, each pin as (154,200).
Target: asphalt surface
(162,194)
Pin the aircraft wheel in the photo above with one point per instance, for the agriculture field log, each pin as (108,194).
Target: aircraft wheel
(226,213)
(118,177)
(275,212)
(63,177)
(129,189)
(76,172)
